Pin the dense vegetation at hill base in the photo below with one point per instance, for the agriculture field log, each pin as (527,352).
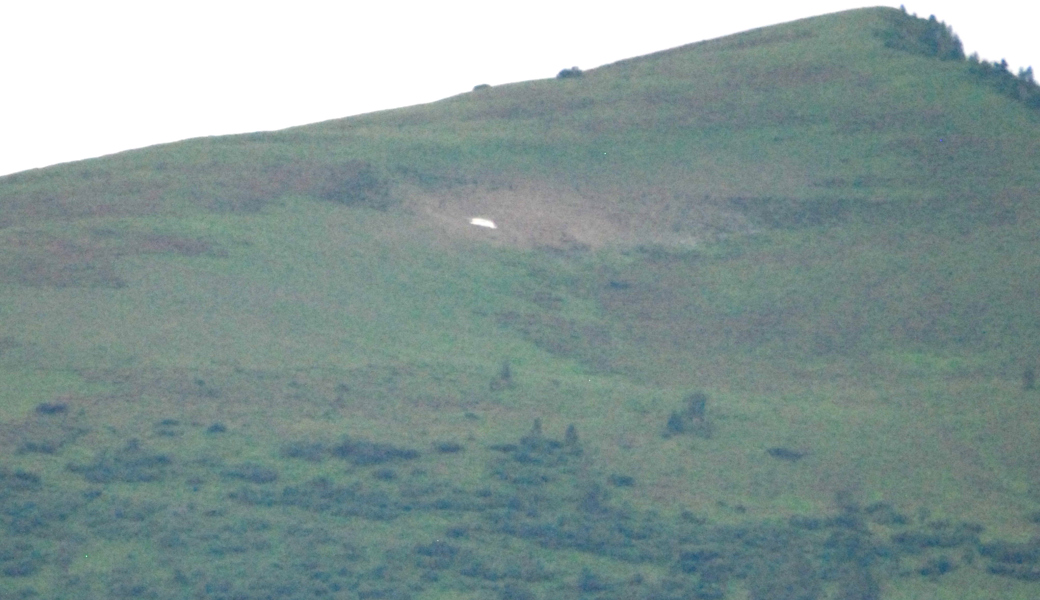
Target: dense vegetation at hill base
(758,321)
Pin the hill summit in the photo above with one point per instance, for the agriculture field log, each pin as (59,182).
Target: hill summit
(867,112)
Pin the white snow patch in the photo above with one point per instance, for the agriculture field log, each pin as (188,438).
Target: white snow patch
(480,222)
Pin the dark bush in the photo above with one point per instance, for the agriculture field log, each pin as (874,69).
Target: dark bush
(852,547)
(309,451)
(693,561)
(437,548)
(126,585)
(447,447)
(1022,572)
(477,569)
(537,448)
(516,591)
(437,555)
(570,440)
(782,212)
(938,535)
(504,379)
(1014,553)
(708,590)
(594,499)
(252,473)
(382,593)
(18,481)
(784,577)
(216,428)
(19,559)
(692,419)
(168,428)
(258,497)
(1029,379)
(363,453)
(858,583)
(591,583)
(804,522)
(385,474)
(22,568)
(884,513)
(569,73)
(619,480)
(52,408)
(787,454)
(481,86)
(696,404)
(39,447)
(676,424)
(936,566)
(131,464)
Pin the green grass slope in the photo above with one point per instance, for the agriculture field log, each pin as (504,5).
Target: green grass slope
(284,365)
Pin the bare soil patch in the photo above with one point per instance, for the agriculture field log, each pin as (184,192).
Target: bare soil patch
(544,215)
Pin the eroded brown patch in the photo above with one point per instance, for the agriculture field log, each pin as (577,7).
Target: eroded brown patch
(543,215)
(87,259)
(58,263)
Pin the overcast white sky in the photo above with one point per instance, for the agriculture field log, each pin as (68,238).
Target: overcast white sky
(80,79)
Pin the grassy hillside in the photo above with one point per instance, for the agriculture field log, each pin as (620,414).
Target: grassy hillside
(284,365)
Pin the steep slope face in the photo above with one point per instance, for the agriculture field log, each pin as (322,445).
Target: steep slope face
(913,167)
(839,123)
(802,123)
(838,120)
